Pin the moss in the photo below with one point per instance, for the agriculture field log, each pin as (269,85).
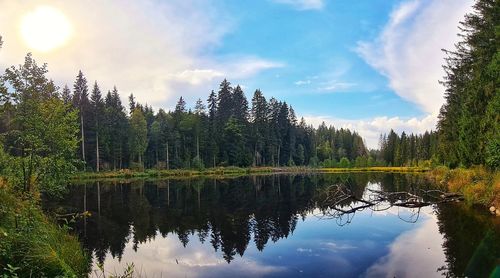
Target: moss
(33,244)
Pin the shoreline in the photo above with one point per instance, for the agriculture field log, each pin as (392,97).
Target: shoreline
(233,171)
(478,185)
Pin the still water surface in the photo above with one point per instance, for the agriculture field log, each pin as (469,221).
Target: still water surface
(276,226)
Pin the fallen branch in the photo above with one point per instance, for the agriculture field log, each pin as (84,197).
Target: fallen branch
(341,203)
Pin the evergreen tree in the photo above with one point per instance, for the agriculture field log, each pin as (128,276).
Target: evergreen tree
(468,120)
(97,104)
(81,102)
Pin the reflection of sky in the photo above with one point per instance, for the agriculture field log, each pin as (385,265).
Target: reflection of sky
(373,245)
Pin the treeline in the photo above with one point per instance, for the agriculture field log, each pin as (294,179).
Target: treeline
(408,150)
(468,130)
(469,122)
(226,130)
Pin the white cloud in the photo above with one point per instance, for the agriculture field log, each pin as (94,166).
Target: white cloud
(370,129)
(302,82)
(408,50)
(303,4)
(197,76)
(147,48)
(337,87)
(248,66)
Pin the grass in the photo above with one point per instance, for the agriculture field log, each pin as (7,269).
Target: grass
(231,171)
(378,169)
(32,245)
(477,184)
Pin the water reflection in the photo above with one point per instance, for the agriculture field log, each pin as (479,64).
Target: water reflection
(265,226)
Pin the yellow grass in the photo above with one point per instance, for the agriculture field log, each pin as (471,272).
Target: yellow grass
(477,184)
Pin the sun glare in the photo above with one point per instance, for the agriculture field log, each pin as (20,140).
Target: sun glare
(45,29)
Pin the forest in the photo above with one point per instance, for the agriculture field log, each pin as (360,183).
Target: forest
(226,129)
(51,134)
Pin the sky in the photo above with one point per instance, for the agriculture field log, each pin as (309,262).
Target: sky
(367,65)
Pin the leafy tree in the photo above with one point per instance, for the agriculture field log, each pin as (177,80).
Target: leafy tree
(138,135)
(42,138)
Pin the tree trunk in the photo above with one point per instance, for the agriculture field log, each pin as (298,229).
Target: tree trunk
(198,146)
(279,149)
(83,136)
(97,151)
(167,158)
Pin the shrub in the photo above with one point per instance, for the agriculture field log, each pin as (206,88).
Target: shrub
(197,163)
(344,163)
(134,166)
(32,245)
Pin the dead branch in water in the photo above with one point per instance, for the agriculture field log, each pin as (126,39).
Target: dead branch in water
(341,203)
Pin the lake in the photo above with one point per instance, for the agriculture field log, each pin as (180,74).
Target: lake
(277,226)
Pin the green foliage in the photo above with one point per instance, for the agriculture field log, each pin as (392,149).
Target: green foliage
(493,154)
(32,245)
(329,163)
(41,141)
(314,162)
(344,163)
(197,163)
(138,134)
(406,150)
(469,120)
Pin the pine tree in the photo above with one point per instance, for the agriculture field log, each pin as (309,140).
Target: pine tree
(81,101)
(472,81)
(97,104)
(66,95)
(240,105)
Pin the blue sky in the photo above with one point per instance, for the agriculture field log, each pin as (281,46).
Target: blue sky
(368,65)
(322,71)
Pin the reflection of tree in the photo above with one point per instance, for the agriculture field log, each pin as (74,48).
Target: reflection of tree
(339,202)
(471,242)
(223,213)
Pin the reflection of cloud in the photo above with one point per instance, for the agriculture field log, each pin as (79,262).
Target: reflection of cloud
(309,250)
(168,257)
(416,253)
(337,247)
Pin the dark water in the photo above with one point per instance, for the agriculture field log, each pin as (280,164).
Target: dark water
(277,226)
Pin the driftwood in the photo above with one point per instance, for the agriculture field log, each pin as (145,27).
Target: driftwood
(340,203)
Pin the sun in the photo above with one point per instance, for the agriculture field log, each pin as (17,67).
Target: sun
(45,29)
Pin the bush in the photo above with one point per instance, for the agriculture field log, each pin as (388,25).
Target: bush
(33,245)
(134,166)
(493,154)
(314,161)
(344,163)
(329,163)
(197,163)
